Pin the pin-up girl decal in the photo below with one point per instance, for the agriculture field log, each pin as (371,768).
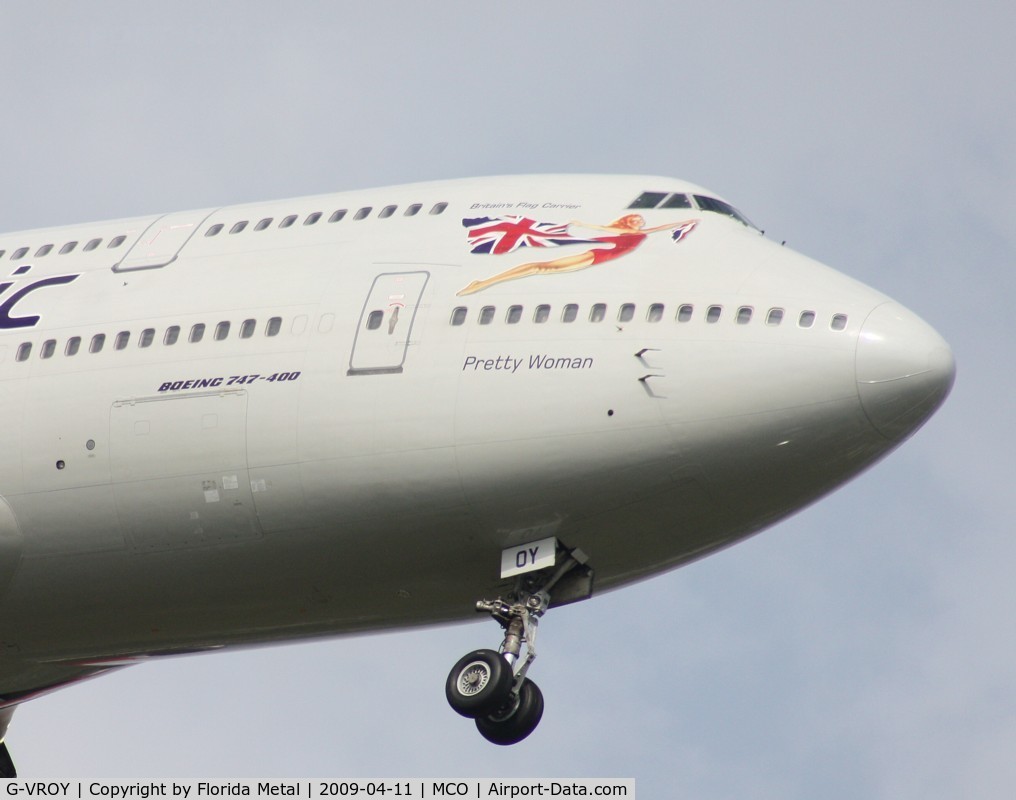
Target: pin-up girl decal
(626,234)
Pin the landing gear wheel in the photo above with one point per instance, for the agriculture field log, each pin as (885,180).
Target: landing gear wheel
(479,683)
(516,720)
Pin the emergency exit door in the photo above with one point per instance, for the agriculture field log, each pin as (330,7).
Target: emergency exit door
(162,241)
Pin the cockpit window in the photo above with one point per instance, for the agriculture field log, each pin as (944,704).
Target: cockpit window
(719,207)
(648,200)
(677,201)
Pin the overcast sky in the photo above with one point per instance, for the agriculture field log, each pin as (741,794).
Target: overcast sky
(864,648)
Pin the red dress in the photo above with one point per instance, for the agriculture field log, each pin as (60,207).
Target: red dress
(623,243)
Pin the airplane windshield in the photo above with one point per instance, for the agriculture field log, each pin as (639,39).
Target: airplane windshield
(680,200)
(718,206)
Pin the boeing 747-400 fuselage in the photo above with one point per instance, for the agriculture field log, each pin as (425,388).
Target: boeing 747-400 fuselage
(384,408)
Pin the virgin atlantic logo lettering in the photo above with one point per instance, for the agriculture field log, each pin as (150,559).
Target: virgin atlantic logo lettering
(7,302)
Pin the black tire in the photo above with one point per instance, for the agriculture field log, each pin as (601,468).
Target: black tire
(479,683)
(513,724)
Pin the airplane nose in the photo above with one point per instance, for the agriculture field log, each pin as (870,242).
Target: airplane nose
(904,370)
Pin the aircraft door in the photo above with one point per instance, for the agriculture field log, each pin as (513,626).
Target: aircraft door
(386,323)
(162,242)
(179,469)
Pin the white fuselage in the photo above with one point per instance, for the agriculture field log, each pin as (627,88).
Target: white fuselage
(358,447)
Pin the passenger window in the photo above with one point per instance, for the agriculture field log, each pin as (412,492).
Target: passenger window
(92,245)
(146,338)
(598,312)
(839,322)
(48,348)
(713,314)
(274,326)
(72,346)
(172,334)
(807,319)
(120,342)
(337,215)
(363,212)
(626,312)
(458,317)
(655,312)
(570,313)
(684,313)
(215,230)
(387,211)
(43,251)
(542,314)
(744,315)
(487,315)
(438,208)
(98,342)
(775,316)
(238,227)
(24,351)
(514,314)
(247,328)
(21,252)
(197,333)
(263,224)
(312,218)
(221,331)
(116,242)
(287,221)
(413,210)
(67,248)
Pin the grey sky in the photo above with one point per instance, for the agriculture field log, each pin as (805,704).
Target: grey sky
(864,648)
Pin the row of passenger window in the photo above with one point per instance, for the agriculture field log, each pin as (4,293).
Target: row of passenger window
(336,216)
(146,338)
(655,313)
(69,247)
(213,230)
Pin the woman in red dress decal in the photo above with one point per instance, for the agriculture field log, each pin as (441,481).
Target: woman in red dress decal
(627,233)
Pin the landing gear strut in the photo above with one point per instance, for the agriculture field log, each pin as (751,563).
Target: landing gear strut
(491,686)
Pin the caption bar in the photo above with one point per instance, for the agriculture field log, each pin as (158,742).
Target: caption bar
(312,790)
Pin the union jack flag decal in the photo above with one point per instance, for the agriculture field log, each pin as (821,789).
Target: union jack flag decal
(684,230)
(498,235)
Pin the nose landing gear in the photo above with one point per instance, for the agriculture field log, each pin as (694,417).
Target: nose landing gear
(491,686)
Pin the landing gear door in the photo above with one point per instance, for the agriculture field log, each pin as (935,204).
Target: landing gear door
(386,323)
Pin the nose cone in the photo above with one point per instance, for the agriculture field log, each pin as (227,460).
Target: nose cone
(904,370)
